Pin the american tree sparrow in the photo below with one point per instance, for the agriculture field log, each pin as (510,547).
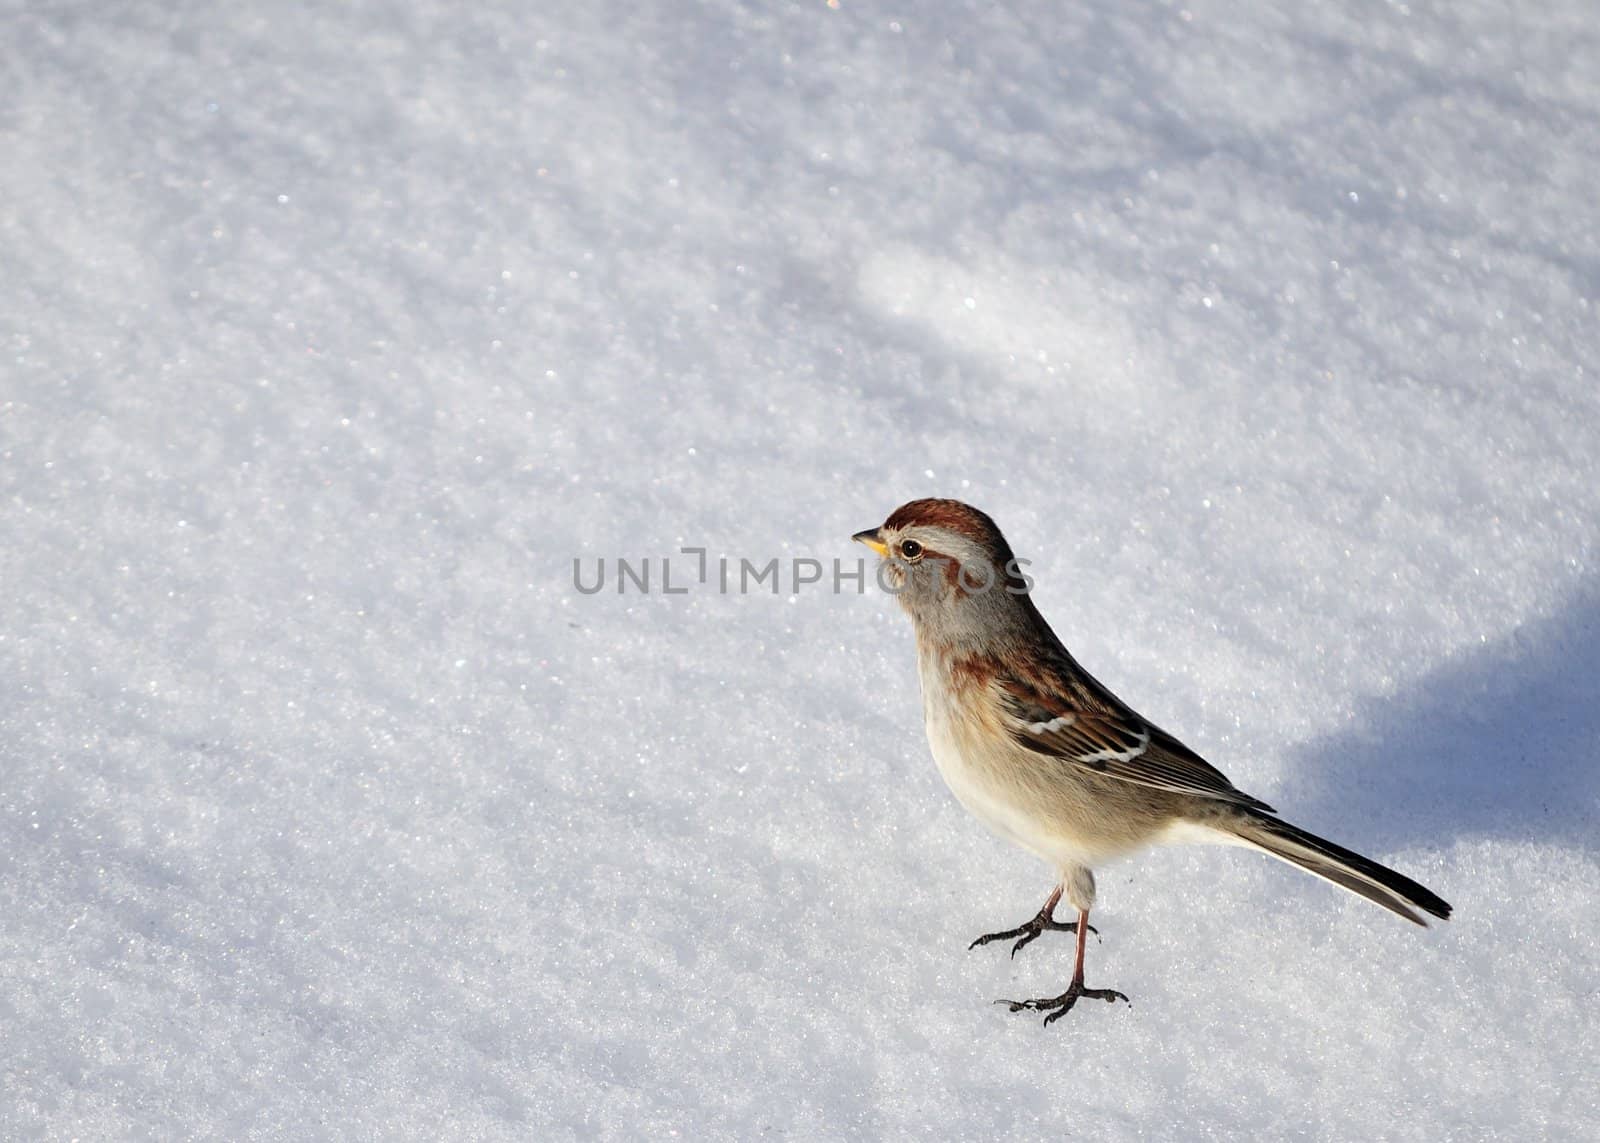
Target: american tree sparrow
(1047,757)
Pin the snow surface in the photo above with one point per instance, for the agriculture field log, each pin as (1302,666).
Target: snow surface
(333,333)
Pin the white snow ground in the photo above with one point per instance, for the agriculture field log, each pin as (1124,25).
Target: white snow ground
(332,334)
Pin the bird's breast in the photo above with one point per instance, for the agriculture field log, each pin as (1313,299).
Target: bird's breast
(980,765)
(1035,801)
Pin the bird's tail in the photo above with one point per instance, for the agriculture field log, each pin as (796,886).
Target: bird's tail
(1344,868)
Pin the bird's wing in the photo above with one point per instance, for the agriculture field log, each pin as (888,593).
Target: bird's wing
(1112,742)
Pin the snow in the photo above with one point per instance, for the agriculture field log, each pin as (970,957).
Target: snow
(332,335)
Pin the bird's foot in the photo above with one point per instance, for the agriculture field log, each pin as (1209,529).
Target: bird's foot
(1030,931)
(1059,1006)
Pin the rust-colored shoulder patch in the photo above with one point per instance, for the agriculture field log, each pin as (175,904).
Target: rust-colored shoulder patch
(973,671)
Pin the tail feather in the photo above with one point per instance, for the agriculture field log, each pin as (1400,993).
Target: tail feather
(1343,867)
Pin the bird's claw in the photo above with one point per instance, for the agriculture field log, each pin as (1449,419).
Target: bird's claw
(1059,1006)
(1029,932)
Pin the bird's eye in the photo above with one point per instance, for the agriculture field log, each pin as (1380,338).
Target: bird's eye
(911,550)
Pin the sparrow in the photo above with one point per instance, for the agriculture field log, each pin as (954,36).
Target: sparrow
(1047,757)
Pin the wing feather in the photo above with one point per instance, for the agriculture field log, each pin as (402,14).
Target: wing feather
(1113,743)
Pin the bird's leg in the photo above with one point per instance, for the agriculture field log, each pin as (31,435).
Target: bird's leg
(1059,1006)
(1030,930)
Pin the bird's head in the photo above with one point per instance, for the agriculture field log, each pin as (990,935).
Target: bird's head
(949,566)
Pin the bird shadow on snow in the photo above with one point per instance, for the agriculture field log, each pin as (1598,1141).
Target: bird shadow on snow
(1501,743)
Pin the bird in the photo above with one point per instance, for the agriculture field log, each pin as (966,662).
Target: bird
(1046,756)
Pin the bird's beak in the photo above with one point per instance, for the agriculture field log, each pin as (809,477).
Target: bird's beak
(870,538)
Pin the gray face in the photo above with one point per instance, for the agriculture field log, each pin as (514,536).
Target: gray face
(947,581)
